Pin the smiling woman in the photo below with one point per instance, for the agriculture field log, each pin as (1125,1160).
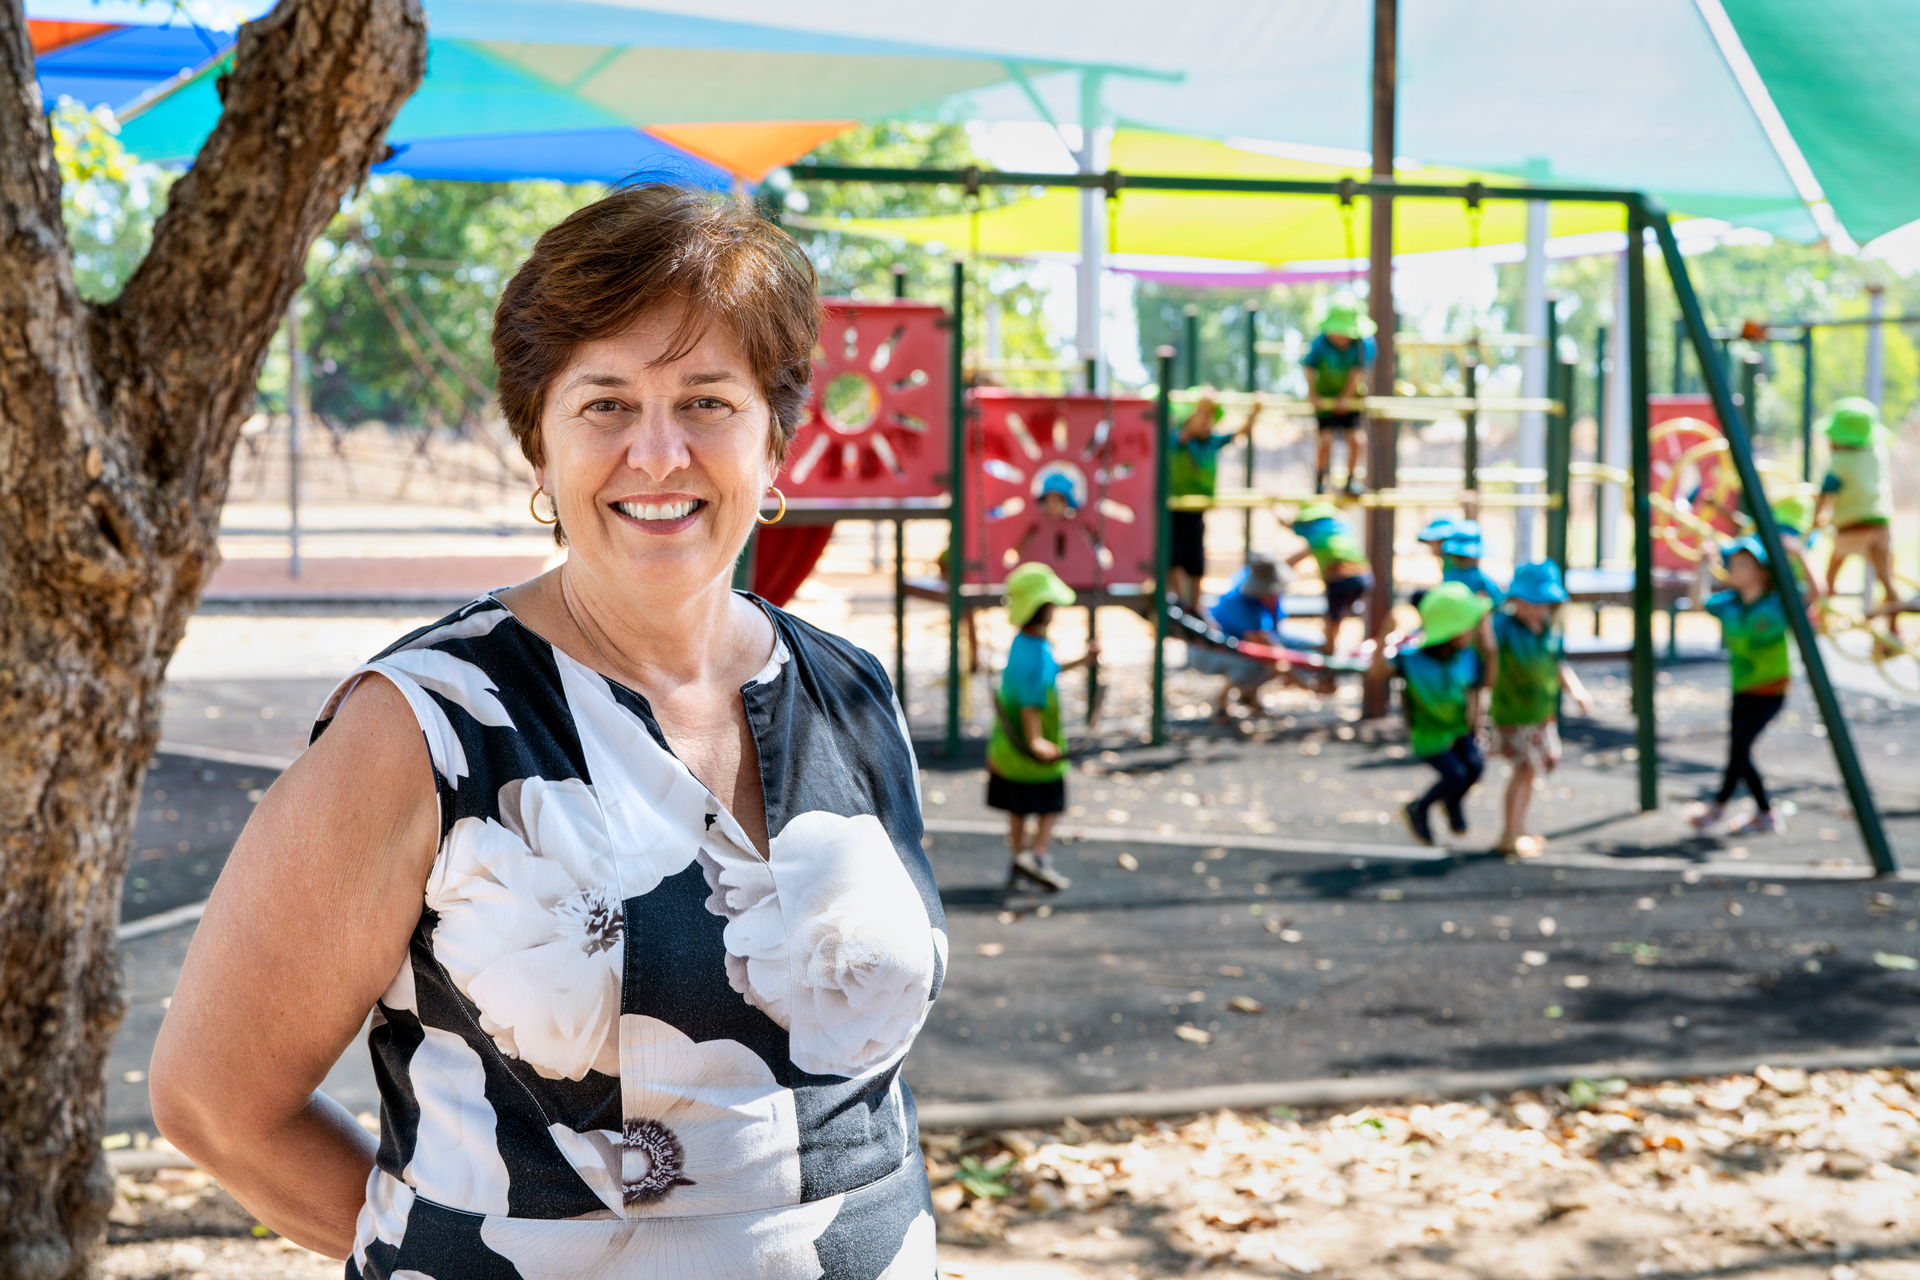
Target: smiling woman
(625,865)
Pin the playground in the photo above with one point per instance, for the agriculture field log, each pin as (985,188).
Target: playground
(1314,454)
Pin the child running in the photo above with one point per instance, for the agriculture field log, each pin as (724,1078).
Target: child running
(1753,626)
(1338,360)
(1441,697)
(1855,493)
(1532,669)
(1343,566)
(1027,754)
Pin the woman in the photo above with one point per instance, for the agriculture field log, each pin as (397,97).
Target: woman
(625,865)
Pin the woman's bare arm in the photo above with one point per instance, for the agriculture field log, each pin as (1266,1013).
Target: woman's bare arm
(306,928)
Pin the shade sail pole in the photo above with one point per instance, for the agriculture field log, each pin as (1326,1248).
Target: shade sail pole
(1382,435)
(1713,372)
(1535,370)
(1093,232)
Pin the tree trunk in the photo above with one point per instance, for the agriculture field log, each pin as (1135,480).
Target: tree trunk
(117,425)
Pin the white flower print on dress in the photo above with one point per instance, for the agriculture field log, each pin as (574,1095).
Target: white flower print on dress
(830,938)
(919,1252)
(456,1159)
(778,1245)
(383,1215)
(708,1129)
(531,926)
(414,672)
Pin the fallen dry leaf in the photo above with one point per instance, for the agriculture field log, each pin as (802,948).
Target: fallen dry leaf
(1187,1031)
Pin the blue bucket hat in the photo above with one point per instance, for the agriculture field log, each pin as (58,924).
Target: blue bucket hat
(1749,544)
(1538,583)
(1057,483)
(1439,529)
(1463,544)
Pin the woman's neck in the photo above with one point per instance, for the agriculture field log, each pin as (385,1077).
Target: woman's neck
(660,640)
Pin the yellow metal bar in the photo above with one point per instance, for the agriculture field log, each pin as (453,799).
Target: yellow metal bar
(1241,499)
(1401,408)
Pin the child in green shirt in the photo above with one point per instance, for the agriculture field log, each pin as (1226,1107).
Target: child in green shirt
(1027,753)
(1441,697)
(1855,492)
(1753,626)
(1344,569)
(1193,471)
(1532,669)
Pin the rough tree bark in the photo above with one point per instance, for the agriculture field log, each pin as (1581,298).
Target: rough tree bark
(117,424)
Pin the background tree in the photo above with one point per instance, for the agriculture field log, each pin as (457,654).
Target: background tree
(117,424)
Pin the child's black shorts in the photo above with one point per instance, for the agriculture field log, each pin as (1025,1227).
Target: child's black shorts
(1026,797)
(1338,421)
(1188,549)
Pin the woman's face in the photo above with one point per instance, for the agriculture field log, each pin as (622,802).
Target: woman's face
(657,469)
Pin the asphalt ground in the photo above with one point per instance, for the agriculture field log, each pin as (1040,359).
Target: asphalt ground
(1268,865)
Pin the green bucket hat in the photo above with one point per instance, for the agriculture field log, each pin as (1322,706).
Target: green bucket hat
(1451,609)
(1792,513)
(1853,422)
(1030,586)
(1344,319)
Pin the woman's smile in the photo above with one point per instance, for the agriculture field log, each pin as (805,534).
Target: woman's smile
(661,514)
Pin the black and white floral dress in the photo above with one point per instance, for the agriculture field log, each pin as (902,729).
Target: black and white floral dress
(623,1045)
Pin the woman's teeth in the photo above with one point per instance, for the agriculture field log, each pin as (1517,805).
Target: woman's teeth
(657,510)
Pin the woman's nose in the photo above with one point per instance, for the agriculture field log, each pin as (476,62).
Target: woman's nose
(658,445)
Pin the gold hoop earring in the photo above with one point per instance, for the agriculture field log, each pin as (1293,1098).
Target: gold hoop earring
(533,508)
(778,515)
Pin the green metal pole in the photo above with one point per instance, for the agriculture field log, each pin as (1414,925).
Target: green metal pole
(1559,444)
(899,279)
(1679,356)
(1470,460)
(1643,672)
(956,497)
(900,612)
(1252,386)
(1734,424)
(1162,546)
(1599,441)
(1190,344)
(1749,386)
(1806,402)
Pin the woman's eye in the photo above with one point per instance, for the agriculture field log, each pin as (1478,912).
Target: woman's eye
(604,406)
(709,404)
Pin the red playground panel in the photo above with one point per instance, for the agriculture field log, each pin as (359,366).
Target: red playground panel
(1708,484)
(1064,480)
(877,424)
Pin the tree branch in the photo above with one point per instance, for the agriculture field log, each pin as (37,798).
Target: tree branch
(314,86)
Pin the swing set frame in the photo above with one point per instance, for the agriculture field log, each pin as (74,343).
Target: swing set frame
(1646,219)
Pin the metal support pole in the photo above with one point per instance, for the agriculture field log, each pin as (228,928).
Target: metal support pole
(1806,402)
(899,279)
(1470,443)
(956,497)
(1162,547)
(1643,665)
(1093,665)
(1252,386)
(1382,433)
(296,388)
(1599,446)
(1740,443)
(900,612)
(1679,356)
(1559,440)
(1750,386)
(1190,345)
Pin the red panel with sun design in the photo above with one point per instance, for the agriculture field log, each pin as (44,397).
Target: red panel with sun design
(877,425)
(1064,480)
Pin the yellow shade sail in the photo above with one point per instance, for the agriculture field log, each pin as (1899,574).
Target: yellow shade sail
(1252,228)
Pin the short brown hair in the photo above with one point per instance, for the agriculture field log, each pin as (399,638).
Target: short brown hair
(595,271)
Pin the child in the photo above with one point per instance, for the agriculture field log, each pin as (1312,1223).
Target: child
(1026,756)
(1343,566)
(1435,532)
(1796,535)
(1249,609)
(1338,360)
(1532,669)
(1753,626)
(1441,698)
(1193,471)
(1461,554)
(1855,492)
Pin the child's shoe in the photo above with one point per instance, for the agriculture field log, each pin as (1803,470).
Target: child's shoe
(1457,821)
(1764,822)
(1041,871)
(1416,819)
(1707,817)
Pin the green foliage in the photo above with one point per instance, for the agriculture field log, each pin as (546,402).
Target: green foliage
(1583,1092)
(1160,312)
(402,288)
(108,202)
(863,267)
(985,1181)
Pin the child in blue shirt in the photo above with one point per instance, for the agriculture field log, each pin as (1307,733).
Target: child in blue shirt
(1336,366)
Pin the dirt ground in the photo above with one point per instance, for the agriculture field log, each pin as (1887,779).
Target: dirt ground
(1774,1175)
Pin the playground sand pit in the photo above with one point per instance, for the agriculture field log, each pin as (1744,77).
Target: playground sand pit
(1783,1173)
